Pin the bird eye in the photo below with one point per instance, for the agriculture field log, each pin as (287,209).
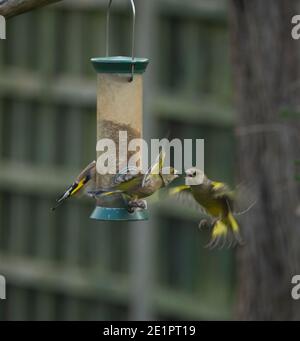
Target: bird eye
(194,173)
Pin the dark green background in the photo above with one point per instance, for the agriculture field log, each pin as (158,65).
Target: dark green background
(65,266)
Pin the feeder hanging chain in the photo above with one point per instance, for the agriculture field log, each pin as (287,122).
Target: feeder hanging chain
(132,38)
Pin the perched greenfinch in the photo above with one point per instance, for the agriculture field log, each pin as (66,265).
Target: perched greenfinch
(85,180)
(134,187)
(217,200)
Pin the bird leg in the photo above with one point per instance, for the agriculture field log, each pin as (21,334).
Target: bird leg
(206,223)
(203,223)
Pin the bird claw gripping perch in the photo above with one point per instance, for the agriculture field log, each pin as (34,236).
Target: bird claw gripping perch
(136,204)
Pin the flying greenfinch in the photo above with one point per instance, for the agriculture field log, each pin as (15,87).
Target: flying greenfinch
(217,200)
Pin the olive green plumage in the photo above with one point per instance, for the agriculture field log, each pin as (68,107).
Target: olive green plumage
(217,200)
(134,187)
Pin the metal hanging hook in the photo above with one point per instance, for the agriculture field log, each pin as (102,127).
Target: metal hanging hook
(132,38)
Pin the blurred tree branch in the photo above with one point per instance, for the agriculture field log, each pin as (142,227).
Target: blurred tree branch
(266,62)
(10,8)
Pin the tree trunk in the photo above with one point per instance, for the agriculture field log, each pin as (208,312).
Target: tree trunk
(266,65)
(10,8)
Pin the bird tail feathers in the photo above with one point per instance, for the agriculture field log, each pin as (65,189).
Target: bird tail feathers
(224,231)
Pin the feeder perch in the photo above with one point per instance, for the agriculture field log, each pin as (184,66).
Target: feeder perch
(119,108)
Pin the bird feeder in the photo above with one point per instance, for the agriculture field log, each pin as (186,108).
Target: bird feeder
(119,109)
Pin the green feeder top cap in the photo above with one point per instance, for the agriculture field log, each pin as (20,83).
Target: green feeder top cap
(120,65)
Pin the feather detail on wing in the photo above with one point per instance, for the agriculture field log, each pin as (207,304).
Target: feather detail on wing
(125,174)
(221,190)
(83,179)
(184,197)
(179,189)
(156,168)
(89,170)
(119,183)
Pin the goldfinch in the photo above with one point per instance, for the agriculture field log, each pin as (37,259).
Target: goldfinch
(87,178)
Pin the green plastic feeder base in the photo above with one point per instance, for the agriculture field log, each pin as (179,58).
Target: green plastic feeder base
(118,214)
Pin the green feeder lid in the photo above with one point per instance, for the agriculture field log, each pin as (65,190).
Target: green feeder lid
(120,64)
(118,214)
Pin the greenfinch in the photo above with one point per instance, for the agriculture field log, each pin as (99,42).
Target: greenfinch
(217,200)
(134,187)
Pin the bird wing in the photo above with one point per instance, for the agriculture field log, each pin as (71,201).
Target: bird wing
(179,189)
(240,200)
(184,196)
(125,174)
(222,191)
(128,178)
(156,168)
(87,174)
